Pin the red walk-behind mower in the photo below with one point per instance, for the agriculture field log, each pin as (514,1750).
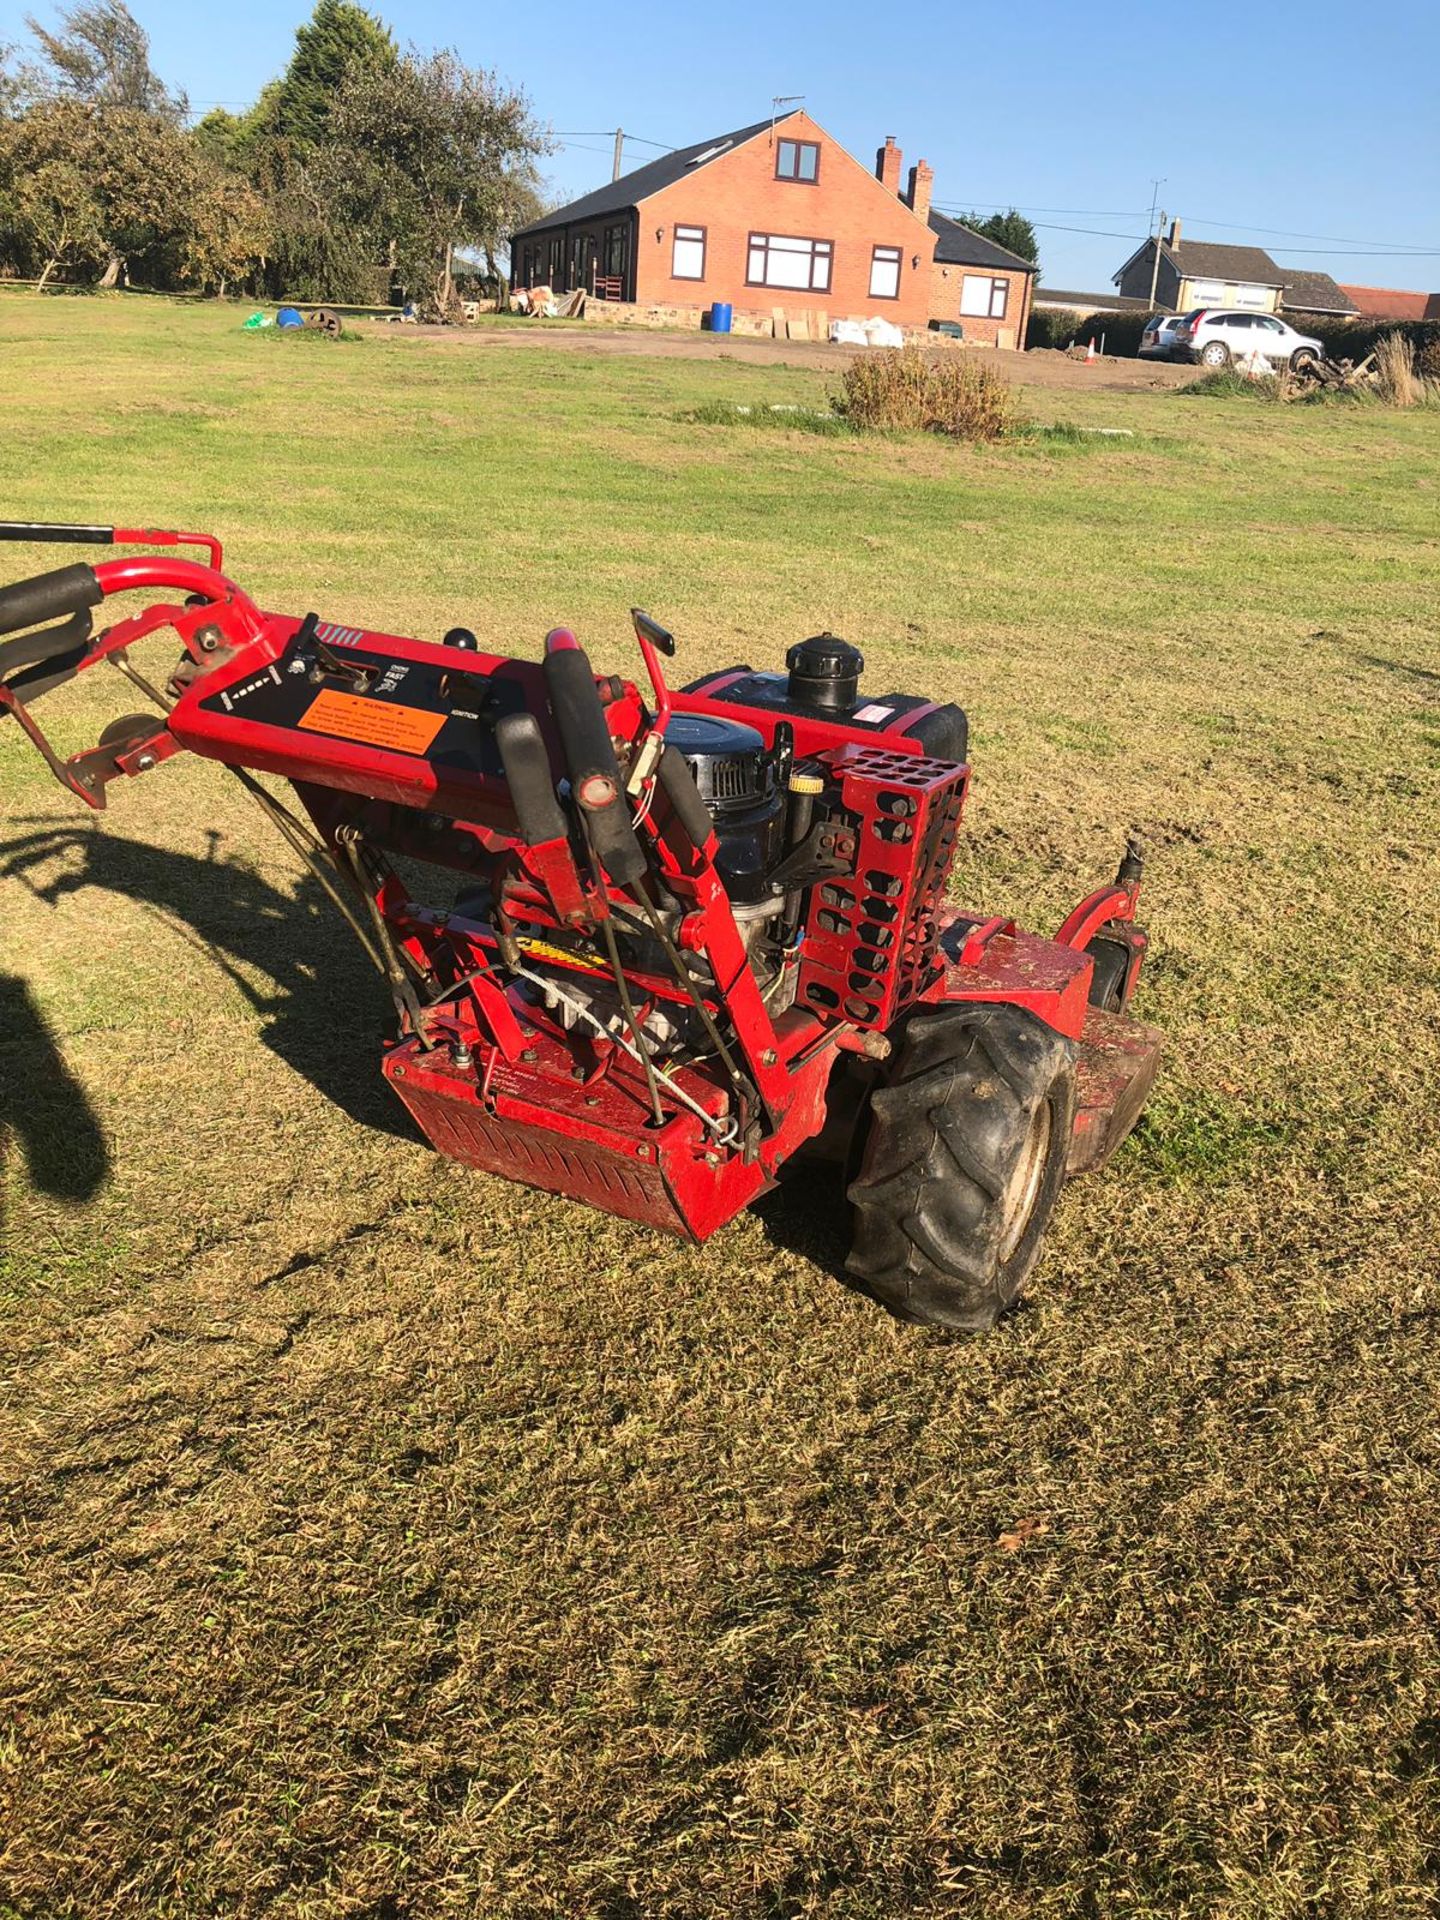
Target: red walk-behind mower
(693,935)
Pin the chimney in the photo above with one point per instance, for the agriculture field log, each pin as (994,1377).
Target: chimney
(1174,236)
(917,194)
(887,166)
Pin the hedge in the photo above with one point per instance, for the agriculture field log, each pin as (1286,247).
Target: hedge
(1121,331)
(1341,339)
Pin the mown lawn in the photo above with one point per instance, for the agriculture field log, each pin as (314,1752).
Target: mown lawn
(385,1541)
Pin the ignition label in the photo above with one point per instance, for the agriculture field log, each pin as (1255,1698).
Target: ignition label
(377,723)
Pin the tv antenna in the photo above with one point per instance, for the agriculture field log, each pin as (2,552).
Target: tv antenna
(777,101)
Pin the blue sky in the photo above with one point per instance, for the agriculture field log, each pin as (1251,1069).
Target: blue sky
(1323,118)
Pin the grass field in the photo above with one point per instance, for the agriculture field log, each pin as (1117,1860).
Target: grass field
(383,1541)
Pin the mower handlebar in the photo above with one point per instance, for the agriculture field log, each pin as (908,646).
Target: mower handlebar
(589,753)
(48,596)
(50,644)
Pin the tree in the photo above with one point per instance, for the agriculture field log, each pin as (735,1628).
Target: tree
(101,54)
(228,230)
(55,208)
(337,38)
(439,156)
(1010,230)
(96,187)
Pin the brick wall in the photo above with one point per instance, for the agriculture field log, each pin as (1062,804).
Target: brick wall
(981,329)
(738,194)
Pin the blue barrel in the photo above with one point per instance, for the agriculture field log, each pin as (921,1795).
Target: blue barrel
(721,315)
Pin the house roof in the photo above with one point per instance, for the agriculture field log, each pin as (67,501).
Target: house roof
(1213,260)
(957,246)
(1090,302)
(618,196)
(1393,303)
(1315,293)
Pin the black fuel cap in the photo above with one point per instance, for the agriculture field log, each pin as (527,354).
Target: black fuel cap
(825,671)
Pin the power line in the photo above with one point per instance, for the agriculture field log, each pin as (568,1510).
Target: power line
(1291,233)
(608,133)
(1009,206)
(1361,251)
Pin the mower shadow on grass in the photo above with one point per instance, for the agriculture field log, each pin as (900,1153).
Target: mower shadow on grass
(43,1107)
(309,968)
(808,1214)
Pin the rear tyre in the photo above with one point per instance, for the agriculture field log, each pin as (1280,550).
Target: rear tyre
(1215,354)
(963,1165)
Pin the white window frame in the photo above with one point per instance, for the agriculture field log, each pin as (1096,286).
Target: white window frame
(763,250)
(989,301)
(885,264)
(690,238)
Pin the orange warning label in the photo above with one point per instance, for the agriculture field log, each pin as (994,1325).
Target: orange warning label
(378,723)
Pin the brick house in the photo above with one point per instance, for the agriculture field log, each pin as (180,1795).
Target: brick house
(774,215)
(988,289)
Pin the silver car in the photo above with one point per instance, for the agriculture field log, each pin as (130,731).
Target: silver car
(1157,342)
(1217,335)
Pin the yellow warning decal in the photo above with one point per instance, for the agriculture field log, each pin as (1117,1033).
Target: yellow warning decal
(377,723)
(583,957)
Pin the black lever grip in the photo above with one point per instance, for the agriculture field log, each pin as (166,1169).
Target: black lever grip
(595,778)
(526,761)
(49,596)
(67,533)
(48,644)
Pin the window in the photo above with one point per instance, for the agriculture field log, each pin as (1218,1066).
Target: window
(984,298)
(557,258)
(687,258)
(783,260)
(885,273)
(1270,326)
(798,160)
(614,253)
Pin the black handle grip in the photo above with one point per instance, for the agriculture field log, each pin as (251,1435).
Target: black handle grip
(595,778)
(652,631)
(62,533)
(48,644)
(528,774)
(684,796)
(49,596)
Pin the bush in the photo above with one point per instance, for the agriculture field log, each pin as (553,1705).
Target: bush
(907,390)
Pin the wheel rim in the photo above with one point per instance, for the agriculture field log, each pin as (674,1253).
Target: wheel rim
(1023,1185)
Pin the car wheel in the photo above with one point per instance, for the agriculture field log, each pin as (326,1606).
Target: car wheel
(1215,353)
(1303,357)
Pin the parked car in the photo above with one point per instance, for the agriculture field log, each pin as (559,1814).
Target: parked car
(1157,342)
(1217,335)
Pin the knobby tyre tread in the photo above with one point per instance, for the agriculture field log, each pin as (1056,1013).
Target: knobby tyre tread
(947,1133)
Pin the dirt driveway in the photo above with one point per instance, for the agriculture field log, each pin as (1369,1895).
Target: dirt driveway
(1043,368)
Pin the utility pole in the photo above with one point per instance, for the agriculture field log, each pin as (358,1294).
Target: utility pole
(1155,186)
(619,154)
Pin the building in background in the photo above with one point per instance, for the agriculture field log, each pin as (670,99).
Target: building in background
(1392,303)
(773,216)
(1316,293)
(1200,273)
